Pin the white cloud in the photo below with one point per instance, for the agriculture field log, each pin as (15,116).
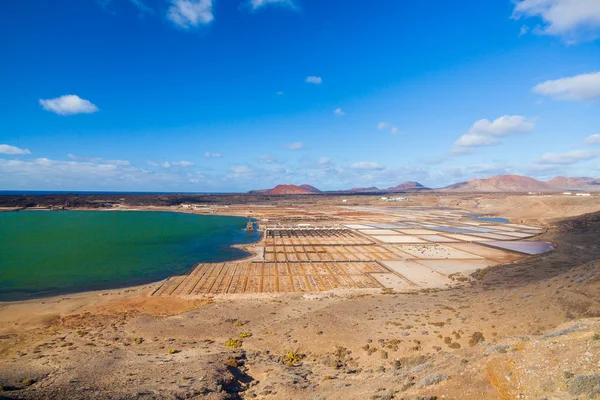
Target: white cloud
(91,174)
(140,5)
(339,112)
(324,161)
(570,157)
(316,80)
(182,164)
(97,160)
(593,139)
(394,130)
(241,169)
(488,133)
(268,160)
(7,149)
(367,165)
(280,93)
(570,19)
(69,104)
(164,164)
(190,13)
(212,155)
(256,4)
(579,87)
(295,146)
(382,125)
(523,31)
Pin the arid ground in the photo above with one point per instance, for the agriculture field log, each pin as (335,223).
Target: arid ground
(525,329)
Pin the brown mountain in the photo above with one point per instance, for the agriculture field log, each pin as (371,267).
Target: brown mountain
(501,183)
(310,188)
(288,189)
(574,183)
(410,186)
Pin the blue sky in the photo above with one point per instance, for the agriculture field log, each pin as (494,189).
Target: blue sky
(216,95)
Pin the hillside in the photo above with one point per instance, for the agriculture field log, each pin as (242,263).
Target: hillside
(501,183)
(309,188)
(574,183)
(288,189)
(410,186)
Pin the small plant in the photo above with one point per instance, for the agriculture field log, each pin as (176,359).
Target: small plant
(138,340)
(292,357)
(27,382)
(173,351)
(239,323)
(596,336)
(245,335)
(233,343)
(476,337)
(232,363)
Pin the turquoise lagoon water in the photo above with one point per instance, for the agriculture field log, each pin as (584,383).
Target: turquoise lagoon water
(44,253)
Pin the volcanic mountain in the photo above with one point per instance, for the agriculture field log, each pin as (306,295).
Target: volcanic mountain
(288,189)
(574,183)
(501,183)
(410,186)
(310,188)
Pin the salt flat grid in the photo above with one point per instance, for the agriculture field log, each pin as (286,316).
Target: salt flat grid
(424,248)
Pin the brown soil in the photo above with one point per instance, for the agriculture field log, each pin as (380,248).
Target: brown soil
(525,330)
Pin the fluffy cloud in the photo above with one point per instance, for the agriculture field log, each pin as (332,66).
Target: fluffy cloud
(383,125)
(367,166)
(295,146)
(189,14)
(256,4)
(488,133)
(97,160)
(324,161)
(7,149)
(593,139)
(570,157)
(580,87)
(164,164)
(212,155)
(182,164)
(339,112)
(316,80)
(69,104)
(265,159)
(570,19)
(81,173)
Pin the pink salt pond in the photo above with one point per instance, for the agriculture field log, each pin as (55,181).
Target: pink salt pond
(526,247)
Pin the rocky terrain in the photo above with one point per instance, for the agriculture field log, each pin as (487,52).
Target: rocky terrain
(525,330)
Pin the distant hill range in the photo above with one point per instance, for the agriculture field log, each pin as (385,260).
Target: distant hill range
(308,189)
(517,183)
(494,184)
(410,186)
(577,183)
